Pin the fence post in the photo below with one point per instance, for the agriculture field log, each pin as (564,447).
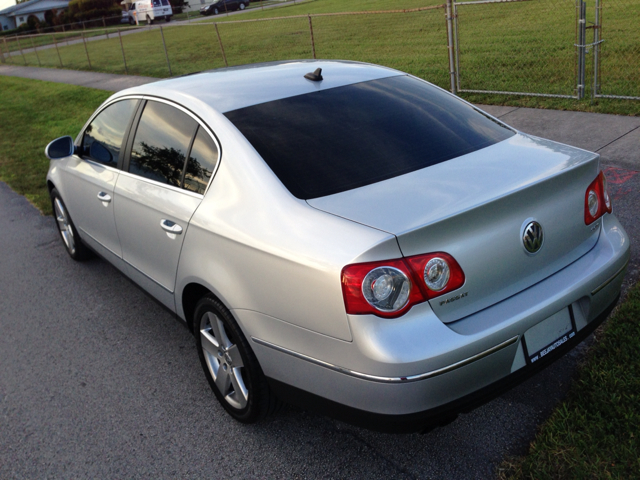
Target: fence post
(104,24)
(124,59)
(2,59)
(450,45)
(456,42)
(36,51)
(6,47)
(582,40)
(224,57)
(53,35)
(21,51)
(83,26)
(165,52)
(86,50)
(313,43)
(596,51)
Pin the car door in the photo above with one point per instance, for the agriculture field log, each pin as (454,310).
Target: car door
(90,177)
(157,194)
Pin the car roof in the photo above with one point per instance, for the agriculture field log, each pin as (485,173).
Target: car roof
(228,89)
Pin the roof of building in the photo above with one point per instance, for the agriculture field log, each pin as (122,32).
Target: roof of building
(34,6)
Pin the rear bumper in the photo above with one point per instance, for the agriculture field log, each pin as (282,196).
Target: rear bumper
(427,419)
(413,371)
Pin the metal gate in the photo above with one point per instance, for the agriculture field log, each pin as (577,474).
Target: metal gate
(616,69)
(541,48)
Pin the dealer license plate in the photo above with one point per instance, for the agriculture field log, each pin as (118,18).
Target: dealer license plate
(543,338)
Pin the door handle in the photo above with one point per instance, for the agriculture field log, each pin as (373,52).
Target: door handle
(104,197)
(171,227)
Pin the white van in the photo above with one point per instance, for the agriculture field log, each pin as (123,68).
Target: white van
(148,11)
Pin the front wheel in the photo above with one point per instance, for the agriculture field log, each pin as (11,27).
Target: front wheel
(168,18)
(229,364)
(215,11)
(68,232)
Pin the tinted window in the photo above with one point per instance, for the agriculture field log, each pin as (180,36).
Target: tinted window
(103,137)
(202,161)
(342,138)
(161,143)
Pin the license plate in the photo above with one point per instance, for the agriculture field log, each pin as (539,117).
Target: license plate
(553,332)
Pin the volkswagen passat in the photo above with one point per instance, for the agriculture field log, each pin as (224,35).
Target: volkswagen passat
(343,236)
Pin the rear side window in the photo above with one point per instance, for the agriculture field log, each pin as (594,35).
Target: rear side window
(202,161)
(161,143)
(342,138)
(102,139)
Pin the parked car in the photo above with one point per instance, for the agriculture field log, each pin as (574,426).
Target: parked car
(148,11)
(348,237)
(222,6)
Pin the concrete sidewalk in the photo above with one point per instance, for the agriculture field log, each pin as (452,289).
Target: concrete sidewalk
(101,81)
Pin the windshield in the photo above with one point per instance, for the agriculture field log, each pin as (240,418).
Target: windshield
(342,138)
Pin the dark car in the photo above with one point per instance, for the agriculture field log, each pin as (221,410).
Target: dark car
(222,6)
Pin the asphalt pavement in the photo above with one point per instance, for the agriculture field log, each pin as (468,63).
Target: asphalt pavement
(98,380)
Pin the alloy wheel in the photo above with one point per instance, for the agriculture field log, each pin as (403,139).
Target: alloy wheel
(223,360)
(64,226)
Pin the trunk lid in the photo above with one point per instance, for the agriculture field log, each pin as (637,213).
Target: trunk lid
(475,208)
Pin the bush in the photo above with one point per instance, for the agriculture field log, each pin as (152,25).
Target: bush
(80,10)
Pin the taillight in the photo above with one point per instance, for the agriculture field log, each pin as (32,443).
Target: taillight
(390,288)
(596,200)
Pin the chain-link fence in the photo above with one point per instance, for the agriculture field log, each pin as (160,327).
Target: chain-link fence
(406,39)
(558,48)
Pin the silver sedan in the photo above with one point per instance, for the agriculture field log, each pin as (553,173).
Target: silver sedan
(344,236)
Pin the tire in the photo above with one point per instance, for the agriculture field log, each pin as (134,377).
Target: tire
(215,11)
(131,21)
(241,6)
(229,364)
(168,18)
(149,21)
(67,230)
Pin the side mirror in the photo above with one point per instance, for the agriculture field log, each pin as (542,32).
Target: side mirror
(60,148)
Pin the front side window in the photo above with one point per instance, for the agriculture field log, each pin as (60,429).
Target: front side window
(102,140)
(161,143)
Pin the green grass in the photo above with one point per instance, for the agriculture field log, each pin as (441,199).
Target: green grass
(595,432)
(34,113)
(517,47)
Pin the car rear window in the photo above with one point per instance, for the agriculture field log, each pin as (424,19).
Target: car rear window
(342,138)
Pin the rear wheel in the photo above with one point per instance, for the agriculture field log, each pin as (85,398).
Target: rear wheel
(242,7)
(149,21)
(68,232)
(229,364)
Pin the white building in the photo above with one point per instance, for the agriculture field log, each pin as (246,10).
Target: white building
(13,17)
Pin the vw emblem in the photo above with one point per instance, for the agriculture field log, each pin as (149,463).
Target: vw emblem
(532,237)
